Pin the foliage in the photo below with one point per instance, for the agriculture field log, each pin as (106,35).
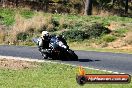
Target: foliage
(27,13)
(76,27)
(22,36)
(74,6)
(75,35)
(120,32)
(93,31)
(7,16)
(103,3)
(105,22)
(97,30)
(109,38)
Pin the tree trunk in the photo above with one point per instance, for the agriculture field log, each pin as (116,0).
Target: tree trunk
(126,7)
(46,5)
(16,2)
(113,1)
(3,3)
(88,7)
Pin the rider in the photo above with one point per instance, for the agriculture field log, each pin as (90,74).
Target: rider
(44,40)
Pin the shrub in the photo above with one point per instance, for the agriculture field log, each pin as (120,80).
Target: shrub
(109,38)
(93,31)
(53,26)
(75,35)
(105,22)
(55,22)
(96,30)
(22,36)
(120,32)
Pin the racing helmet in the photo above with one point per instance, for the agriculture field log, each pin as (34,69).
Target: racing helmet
(45,33)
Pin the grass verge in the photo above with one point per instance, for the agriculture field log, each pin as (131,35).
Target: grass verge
(47,75)
(98,46)
(125,51)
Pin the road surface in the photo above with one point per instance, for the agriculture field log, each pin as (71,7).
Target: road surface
(99,60)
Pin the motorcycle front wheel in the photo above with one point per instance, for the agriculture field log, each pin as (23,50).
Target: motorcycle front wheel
(45,56)
(69,55)
(72,55)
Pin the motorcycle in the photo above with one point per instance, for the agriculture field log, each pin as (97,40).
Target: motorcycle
(58,49)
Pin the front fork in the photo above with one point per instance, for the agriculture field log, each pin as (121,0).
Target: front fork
(44,52)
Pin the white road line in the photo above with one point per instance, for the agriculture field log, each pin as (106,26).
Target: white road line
(37,60)
(97,69)
(104,70)
(109,71)
(116,72)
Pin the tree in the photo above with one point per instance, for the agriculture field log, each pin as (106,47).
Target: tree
(3,3)
(113,1)
(88,7)
(126,6)
(46,4)
(16,2)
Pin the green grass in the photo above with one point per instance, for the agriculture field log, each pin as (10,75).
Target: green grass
(92,19)
(49,75)
(104,50)
(8,16)
(27,13)
(120,32)
(109,38)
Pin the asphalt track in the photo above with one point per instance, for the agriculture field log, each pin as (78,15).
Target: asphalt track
(99,60)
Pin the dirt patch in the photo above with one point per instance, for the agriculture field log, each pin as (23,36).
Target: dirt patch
(113,26)
(128,38)
(122,43)
(16,64)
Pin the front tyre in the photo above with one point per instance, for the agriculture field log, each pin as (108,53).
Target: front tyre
(72,55)
(45,56)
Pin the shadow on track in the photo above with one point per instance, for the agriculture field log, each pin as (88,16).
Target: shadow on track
(87,60)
